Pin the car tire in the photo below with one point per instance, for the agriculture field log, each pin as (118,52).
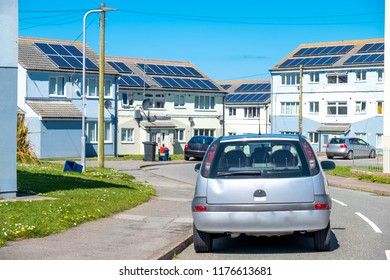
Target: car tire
(322,239)
(372,154)
(186,158)
(203,241)
(350,155)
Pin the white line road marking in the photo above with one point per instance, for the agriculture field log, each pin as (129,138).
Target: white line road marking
(374,226)
(387,254)
(339,202)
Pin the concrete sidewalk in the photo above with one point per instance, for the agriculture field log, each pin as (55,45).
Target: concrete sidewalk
(154,230)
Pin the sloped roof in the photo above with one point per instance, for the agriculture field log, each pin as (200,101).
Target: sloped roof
(32,58)
(55,109)
(151,83)
(339,59)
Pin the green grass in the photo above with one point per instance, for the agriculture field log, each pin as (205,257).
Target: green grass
(77,197)
(346,171)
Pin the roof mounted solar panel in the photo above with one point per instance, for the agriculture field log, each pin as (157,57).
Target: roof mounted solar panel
(310,61)
(169,70)
(65,56)
(365,59)
(120,67)
(225,86)
(372,47)
(132,80)
(324,50)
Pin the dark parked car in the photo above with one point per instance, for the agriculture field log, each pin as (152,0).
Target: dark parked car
(197,147)
(349,148)
(261,185)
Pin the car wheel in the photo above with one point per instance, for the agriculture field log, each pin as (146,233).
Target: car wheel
(203,241)
(350,155)
(322,239)
(186,158)
(372,154)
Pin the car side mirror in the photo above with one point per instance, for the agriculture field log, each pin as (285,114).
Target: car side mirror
(197,167)
(328,165)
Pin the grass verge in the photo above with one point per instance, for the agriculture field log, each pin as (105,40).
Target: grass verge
(78,198)
(346,171)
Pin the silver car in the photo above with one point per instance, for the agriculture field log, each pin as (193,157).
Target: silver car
(261,185)
(349,148)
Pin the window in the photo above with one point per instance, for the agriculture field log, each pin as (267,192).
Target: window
(379,140)
(204,132)
(360,107)
(379,107)
(92,88)
(179,135)
(290,79)
(57,86)
(92,131)
(127,135)
(180,101)
(252,112)
(361,135)
(361,75)
(313,137)
(232,111)
(315,77)
(127,99)
(380,75)
(337,108)
(290,108)
(156,100)
(337,78)
(204,102)
(314,107)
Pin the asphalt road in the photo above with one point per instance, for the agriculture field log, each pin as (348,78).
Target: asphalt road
(359,223)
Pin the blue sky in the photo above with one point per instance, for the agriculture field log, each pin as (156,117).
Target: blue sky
(225,39)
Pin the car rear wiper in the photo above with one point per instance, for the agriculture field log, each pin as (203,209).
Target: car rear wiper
(243,172)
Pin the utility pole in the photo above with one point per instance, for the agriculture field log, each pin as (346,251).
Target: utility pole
(101,89)
(300,100)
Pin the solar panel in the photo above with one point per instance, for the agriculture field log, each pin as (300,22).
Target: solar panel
(129,80)
(365,59)
(120,67)
(245,97)
(186,83)
(325,50)
(169,70)
(65,56)
(312,61)
(254,87)
(225,86)
(372,47)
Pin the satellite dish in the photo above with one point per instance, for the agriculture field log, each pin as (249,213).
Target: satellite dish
(108,104)
(146,104)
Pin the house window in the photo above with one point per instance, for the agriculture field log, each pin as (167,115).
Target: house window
(290,79)
(156,100)
(92,88)
(92,131)
(314,107)
(360,107)
(337,108)
(251,112)
(232,111)
(204,132)
(180,101)
(361,75)
(179,135)
(379,140)
(107,88)
(337,78)
(127,135)
(380,75)
(57,86)
(127,99)
(379,107)
(315,77)
(204,102)
(313,137)
(289,108)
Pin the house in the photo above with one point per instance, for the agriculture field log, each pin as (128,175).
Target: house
(164,102)
(247,106)
(342,91)
(49,92)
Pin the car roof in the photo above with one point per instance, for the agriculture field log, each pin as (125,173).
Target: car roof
(294,137)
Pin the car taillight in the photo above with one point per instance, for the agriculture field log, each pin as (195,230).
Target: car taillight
(343,146)
(321,206)
(200,208)
(327,145)
(186,146)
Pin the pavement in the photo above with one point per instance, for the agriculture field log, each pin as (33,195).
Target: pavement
(158,229)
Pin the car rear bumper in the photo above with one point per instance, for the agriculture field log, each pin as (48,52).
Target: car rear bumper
(262,223)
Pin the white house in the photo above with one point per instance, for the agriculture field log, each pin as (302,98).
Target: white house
(247,106)
(342,91)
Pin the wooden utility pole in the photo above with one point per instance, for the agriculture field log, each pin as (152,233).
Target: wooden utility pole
(300,100)
(101,89)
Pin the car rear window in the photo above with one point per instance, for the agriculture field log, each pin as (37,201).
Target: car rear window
(337,141)
(201,140)
(264,158)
